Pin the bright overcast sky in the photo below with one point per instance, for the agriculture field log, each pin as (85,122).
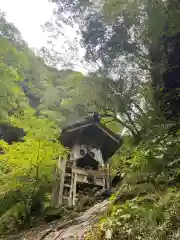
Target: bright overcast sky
(28,16)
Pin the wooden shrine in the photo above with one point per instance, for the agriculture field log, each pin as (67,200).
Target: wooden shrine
(91,144)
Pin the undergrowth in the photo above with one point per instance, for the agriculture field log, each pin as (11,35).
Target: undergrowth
(147,202)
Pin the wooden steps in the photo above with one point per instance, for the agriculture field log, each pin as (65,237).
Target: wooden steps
(67,182)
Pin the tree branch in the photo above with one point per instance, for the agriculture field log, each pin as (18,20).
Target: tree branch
(121,122)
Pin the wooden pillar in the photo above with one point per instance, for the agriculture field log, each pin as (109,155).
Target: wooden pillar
(104,183)
(61,188)
(74,189)
(58,183)
(108,181)
(71,190)
(55,187)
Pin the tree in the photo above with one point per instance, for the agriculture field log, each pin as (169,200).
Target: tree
(125,44)
(26,165)
(10,32)
(109,44)
(26,169)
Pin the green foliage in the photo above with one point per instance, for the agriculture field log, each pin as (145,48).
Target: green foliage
(125,46)
(10,92)
(144,218)
(113,88)
(26,170)
(146,204)
(26,167)
(123,43)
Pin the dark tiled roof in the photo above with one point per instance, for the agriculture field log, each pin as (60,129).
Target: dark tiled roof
(89,127)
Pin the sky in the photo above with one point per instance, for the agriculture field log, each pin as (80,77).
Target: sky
(28,16)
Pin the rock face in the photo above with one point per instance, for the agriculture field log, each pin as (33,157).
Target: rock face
(11,134)
(74,229)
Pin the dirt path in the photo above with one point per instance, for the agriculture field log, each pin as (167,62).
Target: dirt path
(74,229)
